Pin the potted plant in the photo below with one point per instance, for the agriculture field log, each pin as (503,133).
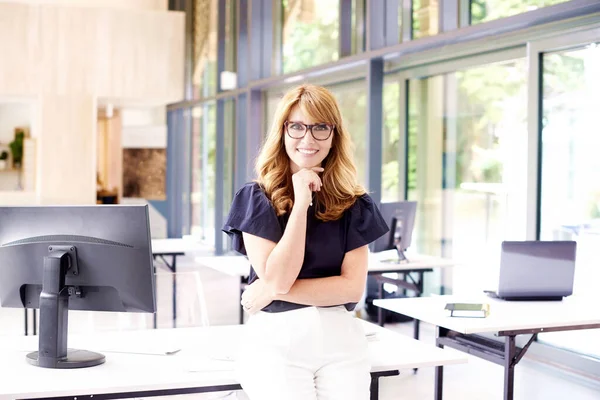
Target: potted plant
(16,148)
(3,159)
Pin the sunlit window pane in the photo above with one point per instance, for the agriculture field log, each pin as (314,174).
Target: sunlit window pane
(488,10)
(310,33)
(466,156)
(570,188)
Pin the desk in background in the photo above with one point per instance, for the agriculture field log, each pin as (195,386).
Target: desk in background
(173,248)
(239,266)
(507,319)
(199,360)
(161,248)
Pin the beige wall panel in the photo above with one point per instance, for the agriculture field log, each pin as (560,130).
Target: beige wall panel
(19,50)
(68,37)
(127,56)
(149,64)
(68,150)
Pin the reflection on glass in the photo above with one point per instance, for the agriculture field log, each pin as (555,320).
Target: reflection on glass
(310,33)
(203,172)
(425,18)
(488,10)
(205,48)
(391,157)
(570,188)
(466,156)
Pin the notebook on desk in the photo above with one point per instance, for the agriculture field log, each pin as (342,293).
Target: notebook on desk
(536,270)
(468,310)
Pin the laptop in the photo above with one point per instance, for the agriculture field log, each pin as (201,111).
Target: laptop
(536,270)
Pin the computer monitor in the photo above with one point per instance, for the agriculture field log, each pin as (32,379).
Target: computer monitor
(401,219)
(60,258)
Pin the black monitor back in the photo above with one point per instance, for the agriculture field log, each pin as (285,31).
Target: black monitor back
(114,255)
(401,219)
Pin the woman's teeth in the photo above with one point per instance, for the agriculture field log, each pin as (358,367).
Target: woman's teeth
(304,151)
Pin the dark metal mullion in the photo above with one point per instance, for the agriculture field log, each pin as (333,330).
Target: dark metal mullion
(254,118)
(406,112)
(186,175)
(174,155)
(255,39)
(345,28)
(540,126)
(242,127)
(375,127)
(267,38)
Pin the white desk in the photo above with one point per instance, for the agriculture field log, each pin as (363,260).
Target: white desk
(179,246)
(239,266)
(507,319)
(202,364)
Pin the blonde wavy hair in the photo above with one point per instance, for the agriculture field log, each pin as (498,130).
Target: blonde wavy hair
(340,184)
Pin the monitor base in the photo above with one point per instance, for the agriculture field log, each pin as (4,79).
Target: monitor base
(75,359)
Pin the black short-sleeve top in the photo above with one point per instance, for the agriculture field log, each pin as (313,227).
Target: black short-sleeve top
(326,242)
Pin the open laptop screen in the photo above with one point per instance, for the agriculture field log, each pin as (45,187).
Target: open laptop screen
(537,268)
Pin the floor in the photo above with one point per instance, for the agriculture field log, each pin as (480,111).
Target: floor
(476,380)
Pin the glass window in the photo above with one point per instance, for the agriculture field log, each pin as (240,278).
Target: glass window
(467,136)
(488,10)
(204,75)
(203,171)
(229,158)
(390,180)
(272,101)
(570,188)
(359,14)
(426,16)
(231,35)
(310,33)
(352,99)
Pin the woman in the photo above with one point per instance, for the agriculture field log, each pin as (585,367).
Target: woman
(305,225)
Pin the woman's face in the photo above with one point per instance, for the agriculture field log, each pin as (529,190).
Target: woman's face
(301,147)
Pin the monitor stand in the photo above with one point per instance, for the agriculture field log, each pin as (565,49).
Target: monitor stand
(54,312)
(401,256)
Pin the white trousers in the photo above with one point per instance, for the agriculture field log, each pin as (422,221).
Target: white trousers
(312,353)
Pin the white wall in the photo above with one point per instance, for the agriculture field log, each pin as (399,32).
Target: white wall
(144,128)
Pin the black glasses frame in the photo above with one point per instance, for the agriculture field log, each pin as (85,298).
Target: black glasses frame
(308,128)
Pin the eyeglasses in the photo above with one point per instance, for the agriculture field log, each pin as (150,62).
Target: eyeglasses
(297,130)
